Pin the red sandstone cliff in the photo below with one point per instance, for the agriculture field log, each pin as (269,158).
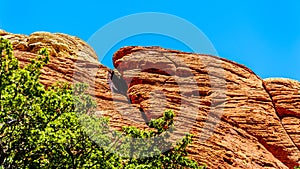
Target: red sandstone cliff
(238,119)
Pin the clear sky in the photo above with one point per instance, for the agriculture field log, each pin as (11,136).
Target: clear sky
(264,35)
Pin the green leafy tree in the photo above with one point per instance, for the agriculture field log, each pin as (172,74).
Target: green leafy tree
(52,127)
(40,127)
(158,152)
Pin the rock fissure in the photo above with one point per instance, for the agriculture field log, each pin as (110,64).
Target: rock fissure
(278,114)
(176,65)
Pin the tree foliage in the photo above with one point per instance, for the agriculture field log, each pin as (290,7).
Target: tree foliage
(50,127)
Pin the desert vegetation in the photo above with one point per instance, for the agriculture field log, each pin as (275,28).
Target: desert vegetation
(51,127)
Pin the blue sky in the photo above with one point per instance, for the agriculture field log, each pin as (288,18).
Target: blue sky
(264,35)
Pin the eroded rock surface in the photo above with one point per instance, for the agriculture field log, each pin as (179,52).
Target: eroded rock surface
(286,98)
(58,44)
(238,119)
(245,117)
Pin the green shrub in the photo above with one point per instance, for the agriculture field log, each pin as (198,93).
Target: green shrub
(46,127)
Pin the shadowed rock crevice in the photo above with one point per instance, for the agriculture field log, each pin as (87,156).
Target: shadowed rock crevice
(286,99)
(280,114)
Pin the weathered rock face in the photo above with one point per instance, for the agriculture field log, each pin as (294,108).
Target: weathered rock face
(58,44)
(238,119)
(286,98)
(250,133)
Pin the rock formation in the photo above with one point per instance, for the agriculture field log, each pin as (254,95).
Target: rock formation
(238,119)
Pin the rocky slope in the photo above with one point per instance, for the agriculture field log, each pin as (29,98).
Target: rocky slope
(238,119)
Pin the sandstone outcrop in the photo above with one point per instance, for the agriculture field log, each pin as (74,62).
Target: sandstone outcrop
(238,119)
(58,44)
(285,94)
